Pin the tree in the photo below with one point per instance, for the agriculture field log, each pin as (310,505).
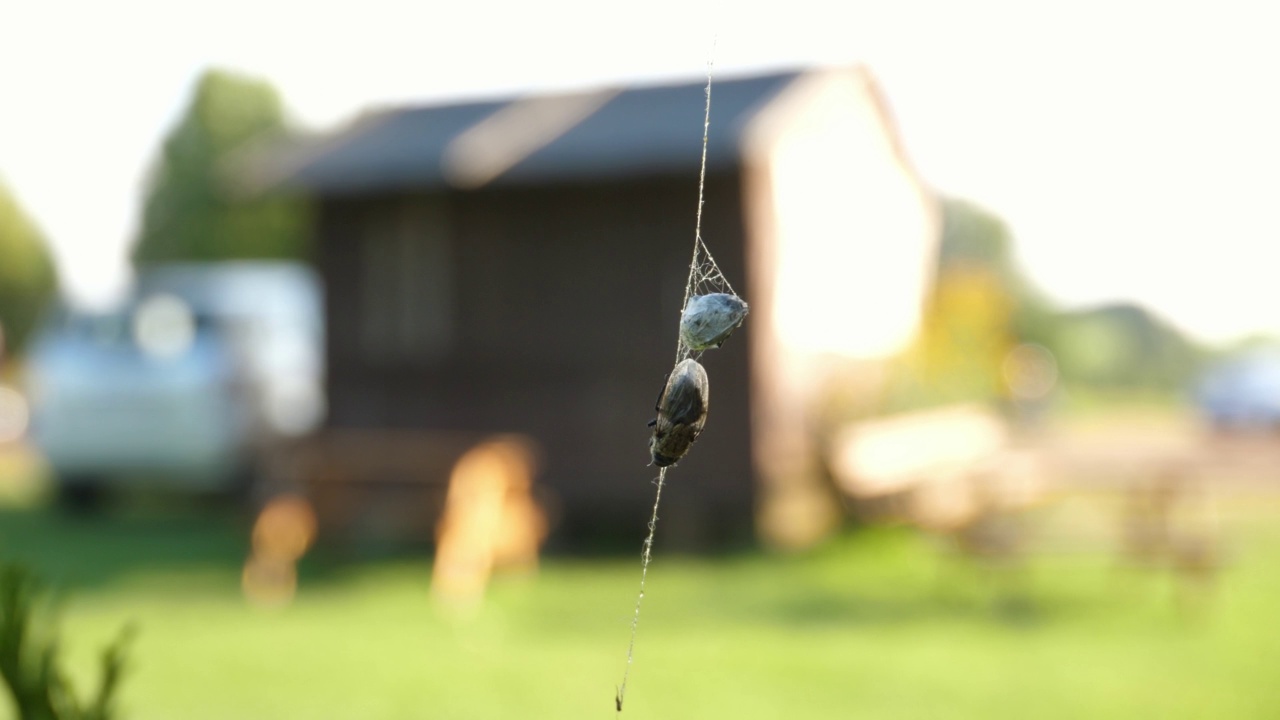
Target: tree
(971,318)
(192,212)
(1126,346)
(975,237)
(28,280)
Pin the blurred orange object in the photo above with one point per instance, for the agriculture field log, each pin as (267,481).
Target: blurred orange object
(490,521)
(269,582)
(283,532)
(285,528)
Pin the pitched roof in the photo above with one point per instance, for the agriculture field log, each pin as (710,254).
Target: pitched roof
(635,131)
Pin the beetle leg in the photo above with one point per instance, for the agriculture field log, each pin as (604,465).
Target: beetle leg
(657,403)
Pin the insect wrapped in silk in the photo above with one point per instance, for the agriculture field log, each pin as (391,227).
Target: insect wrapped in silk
(709,320)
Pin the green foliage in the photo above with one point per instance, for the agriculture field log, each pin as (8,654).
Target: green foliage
(975,236)
(972,235)
(192,212)
(981,306)
(1125,346)
(971,318)
(27,277)
(30,661)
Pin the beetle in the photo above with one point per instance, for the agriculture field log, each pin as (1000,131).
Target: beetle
(682,413)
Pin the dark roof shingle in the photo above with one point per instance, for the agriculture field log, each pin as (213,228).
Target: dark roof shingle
(637,131)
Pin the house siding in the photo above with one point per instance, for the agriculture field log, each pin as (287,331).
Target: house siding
(563,317)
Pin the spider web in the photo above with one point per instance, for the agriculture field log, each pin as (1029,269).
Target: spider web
(704,277)
(704,274)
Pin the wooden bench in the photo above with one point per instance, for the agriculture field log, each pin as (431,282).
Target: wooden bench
(940,469)
(379,486)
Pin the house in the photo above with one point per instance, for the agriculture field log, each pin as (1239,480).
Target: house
(518,266)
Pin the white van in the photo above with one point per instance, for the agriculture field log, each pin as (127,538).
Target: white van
(185,383)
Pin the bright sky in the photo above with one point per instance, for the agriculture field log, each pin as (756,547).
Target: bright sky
(1134,147)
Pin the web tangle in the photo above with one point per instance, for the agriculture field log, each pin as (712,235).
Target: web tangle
(705,278)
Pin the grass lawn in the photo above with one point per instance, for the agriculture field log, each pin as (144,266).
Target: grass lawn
(875,625)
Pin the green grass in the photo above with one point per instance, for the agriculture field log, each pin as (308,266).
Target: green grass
(876,625)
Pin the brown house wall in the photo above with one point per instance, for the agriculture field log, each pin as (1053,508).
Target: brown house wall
(565,308)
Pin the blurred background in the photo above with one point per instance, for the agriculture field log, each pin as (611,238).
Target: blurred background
(328,338)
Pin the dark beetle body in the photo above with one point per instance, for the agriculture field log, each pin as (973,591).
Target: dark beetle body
(682,413)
